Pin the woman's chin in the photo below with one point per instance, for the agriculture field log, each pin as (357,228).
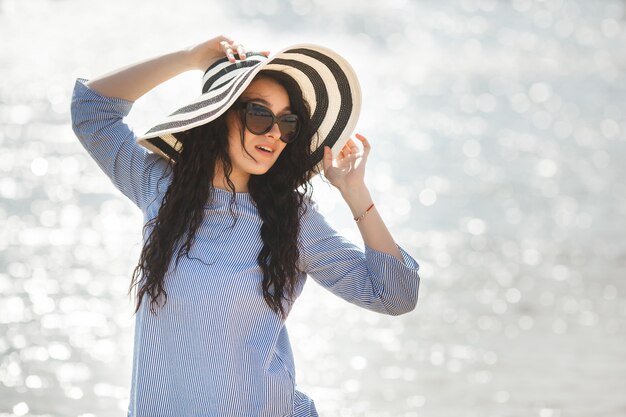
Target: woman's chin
(259,170)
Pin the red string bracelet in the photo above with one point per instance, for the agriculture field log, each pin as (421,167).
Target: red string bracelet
(357,219)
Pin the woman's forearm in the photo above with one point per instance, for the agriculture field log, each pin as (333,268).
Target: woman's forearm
(373,230)
(135,80)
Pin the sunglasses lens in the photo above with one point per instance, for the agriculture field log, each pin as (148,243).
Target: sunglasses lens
(258,119)
(288,127)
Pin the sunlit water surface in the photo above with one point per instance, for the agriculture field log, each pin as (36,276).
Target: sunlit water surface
(498,162)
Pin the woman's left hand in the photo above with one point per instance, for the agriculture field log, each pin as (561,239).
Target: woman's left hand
(347,170)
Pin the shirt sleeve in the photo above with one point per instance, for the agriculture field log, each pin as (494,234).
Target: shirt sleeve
(97,122)
(370,279)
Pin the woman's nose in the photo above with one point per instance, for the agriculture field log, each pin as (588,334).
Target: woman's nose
(274,131)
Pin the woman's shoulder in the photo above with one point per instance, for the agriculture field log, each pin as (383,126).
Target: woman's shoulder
(312,221)
(308,204)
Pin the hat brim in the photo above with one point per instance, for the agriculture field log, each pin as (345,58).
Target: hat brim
(328,84)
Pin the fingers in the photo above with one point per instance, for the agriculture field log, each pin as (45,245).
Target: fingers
(224,44)
(352,149)
(328,158)
(351,145)
(229,47)
(241,52)
(363,140)
(366,145)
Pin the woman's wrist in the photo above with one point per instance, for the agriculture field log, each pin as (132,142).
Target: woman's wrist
(358,198)
(197,57)
(350,191)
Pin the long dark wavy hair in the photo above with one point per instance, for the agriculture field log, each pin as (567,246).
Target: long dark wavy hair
(279,196)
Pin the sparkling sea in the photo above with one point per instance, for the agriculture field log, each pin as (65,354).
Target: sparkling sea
(498,134)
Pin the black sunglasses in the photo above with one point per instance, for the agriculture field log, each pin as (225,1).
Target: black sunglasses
(260,120)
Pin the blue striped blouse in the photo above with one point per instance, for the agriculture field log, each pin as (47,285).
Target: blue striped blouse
(216,348)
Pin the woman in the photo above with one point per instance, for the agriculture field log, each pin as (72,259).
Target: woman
(231,232)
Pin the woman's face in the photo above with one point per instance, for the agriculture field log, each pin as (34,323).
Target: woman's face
(272,95)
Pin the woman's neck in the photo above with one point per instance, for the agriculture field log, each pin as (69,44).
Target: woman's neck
(238,178)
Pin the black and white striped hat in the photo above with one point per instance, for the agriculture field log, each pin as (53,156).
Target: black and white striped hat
(328,84)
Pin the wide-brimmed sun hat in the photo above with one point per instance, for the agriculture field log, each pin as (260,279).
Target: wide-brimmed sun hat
(328,84)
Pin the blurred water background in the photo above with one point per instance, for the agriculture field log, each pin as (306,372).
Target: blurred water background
(498,162)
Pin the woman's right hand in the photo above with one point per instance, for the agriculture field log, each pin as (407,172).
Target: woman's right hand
(204,54)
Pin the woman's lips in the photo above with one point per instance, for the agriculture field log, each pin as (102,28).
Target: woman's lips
(264,152)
